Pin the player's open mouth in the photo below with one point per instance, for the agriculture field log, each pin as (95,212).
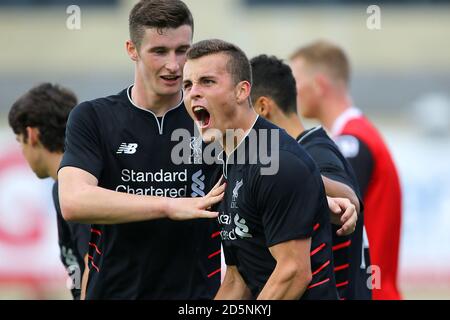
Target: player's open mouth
(202,116)
(171,78)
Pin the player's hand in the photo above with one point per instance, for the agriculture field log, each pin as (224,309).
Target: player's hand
(193,208)
(343,213)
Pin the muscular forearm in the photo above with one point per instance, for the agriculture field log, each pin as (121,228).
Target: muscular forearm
(337,189)
(82,200)
(285,284)
(233,287)
(233,291)
(96,205)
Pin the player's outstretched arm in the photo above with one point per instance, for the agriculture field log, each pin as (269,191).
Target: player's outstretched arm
(82,200)
(189,208)
(292,273)
(233,286)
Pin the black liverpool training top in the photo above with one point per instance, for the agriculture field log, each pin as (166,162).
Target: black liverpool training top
(262,210)
(351,259)
(128,149)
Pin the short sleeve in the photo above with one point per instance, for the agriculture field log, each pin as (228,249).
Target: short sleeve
(329,164)
(288,200)
(83,141)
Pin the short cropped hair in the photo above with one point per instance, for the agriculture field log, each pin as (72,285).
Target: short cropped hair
(326,55)
(273,78)
(159,14)
(238,65)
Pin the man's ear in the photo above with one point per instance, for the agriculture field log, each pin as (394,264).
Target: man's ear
(263,106)
(131,50)
(32,136)
(321,84)
(243,91)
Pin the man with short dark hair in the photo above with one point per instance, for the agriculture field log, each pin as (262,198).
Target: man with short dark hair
(275,231)
(118,163)
(274,97)
(38,118)
(322,71)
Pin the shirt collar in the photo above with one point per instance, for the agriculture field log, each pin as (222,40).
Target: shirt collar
(344,117)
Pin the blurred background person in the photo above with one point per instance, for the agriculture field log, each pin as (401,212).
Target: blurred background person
(38,118)
(322,73)
(274,96)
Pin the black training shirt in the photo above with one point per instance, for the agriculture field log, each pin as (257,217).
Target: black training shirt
(262,210)
(351,259)
(128,149)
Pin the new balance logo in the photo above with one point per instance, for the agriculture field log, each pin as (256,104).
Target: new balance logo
(128,148)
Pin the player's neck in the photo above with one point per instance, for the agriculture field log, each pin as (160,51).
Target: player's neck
(159,104)
(53,160)
(242,123)
(332,108)
(293,125)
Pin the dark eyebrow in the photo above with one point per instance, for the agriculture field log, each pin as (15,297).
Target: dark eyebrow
(184,47)
(160,48)
(202,78)
(157,49)
(207,77)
